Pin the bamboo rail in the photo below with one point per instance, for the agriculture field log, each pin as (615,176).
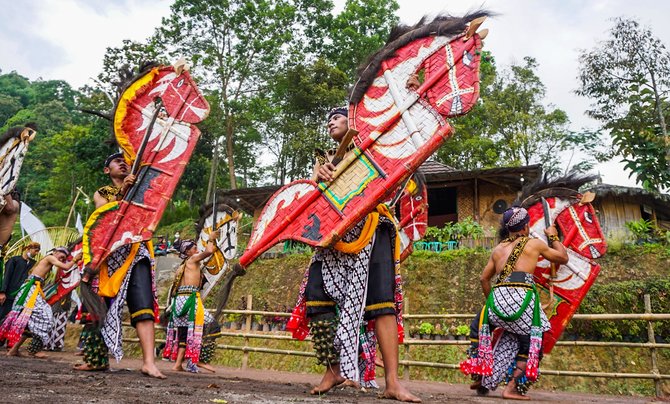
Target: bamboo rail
(246,335)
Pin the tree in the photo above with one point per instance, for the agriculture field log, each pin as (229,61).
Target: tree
(130,55)
(235,45)
(358,31)
(628,78)
(301,99)
(511,125)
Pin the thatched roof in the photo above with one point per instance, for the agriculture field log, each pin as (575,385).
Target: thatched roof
(513,178)
(660,202)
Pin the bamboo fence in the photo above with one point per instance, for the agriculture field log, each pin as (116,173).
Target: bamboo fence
(654,374)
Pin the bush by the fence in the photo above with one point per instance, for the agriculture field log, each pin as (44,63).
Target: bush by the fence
(623,297)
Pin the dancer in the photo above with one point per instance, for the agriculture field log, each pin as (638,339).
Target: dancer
(16,272)
(513,304)
(188,317)
(127,275)
(31,312)
(359,280)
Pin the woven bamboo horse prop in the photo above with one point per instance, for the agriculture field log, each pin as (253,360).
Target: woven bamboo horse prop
(413,218)
(13,148)
(395,130)
(154,124)
(66,280)
(225,219)
(583,238)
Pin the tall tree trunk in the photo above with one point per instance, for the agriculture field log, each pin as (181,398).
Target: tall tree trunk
(211,184)
(229,152)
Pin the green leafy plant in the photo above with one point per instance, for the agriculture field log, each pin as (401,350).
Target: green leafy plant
(643,229)
(462,329)
(426,328)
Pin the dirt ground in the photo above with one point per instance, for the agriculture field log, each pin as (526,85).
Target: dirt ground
(53,380)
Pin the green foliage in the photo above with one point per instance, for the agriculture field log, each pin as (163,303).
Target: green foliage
(358,31)
(466,228)
(300,101)
(642,229)
(426,328)
(628,77)
(624,297)
(462,329)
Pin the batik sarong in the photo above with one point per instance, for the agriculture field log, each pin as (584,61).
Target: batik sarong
(30,312)
(186,326)
(345,272)
(125,260)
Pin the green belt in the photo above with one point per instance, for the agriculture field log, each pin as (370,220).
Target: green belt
(532,291)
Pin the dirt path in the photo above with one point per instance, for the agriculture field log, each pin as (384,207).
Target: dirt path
(53,380)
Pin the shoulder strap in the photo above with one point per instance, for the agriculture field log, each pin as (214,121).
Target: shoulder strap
(109,192)
(512,259)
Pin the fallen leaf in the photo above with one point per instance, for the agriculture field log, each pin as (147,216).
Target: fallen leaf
(219,400)
(213,386)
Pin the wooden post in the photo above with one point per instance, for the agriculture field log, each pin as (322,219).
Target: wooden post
(405,368)
(652,340)
(247,329)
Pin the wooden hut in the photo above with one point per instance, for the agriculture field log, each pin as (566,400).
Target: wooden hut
(617,205)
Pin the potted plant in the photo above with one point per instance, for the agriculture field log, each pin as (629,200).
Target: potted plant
(425,330)
(462,332)
(235,321)
(451,333)
(256,322)
(414,332)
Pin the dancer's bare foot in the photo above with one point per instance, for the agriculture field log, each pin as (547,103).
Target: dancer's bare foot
(85,367)
(379,361)
(13,352)
(39,355)
(399,393)
(330,379)
(206,366)
(152,371)
(511,395)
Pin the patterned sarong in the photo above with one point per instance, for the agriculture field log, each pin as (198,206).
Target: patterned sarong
(187,311)
(345,277)
(30,311)
(112,331)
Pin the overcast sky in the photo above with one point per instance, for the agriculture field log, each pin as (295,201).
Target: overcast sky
(66,39)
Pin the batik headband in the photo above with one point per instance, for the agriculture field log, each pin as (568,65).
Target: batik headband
(515,218)
(184,247)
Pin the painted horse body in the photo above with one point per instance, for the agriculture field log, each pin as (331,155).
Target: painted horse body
(395,130)
(154,124)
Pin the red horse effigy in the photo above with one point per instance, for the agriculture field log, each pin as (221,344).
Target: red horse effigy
(396,129)
(575,217)
(154,124)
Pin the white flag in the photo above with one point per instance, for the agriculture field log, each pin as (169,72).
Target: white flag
(34,227)
(78,225)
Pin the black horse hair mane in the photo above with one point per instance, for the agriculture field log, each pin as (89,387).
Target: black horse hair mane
(401,35)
